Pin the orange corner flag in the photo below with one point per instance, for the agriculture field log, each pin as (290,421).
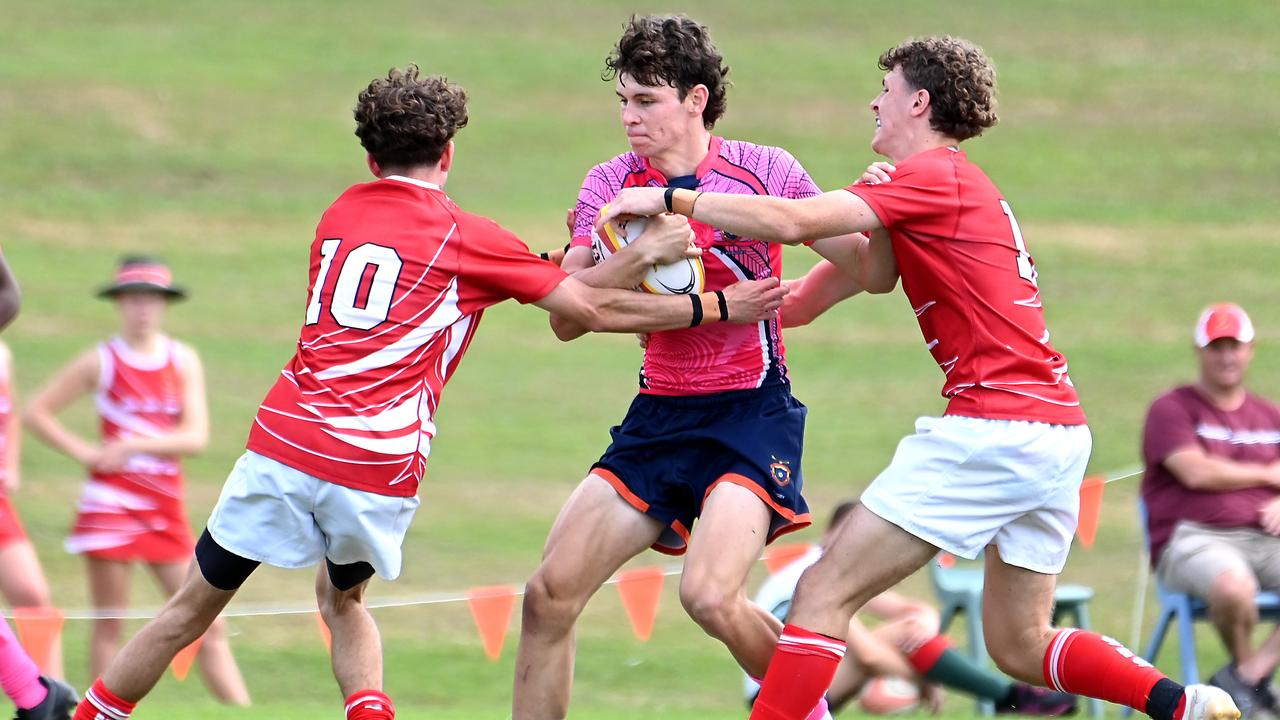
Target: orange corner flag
(39,630)
(777,557)
(491,609)
(1090,509)
(181,664)
(640,589)
(324,632)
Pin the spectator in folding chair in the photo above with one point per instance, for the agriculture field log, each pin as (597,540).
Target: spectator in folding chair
(1212,491)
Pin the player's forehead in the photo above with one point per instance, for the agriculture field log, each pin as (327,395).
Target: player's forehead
(893,78)
(628,87)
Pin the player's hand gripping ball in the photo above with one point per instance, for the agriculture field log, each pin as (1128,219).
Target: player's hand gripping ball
(682,277)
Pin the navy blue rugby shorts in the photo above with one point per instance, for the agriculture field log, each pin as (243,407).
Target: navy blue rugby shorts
(670,452)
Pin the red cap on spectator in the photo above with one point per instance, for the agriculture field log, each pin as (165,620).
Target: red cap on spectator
(1224,320)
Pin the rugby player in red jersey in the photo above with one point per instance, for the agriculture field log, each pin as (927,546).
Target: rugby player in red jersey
(399,278)
(1000,471)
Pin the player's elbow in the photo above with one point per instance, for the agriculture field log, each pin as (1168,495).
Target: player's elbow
(880,285)
(588,317)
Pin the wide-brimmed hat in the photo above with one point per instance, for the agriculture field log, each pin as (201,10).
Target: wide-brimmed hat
(143,274)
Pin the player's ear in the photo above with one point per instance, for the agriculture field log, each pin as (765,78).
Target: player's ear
(920,103)
(696,98)
(446,157)
(373,165)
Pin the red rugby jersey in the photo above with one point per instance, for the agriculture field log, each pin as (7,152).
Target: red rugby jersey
(399,279)
(966,270)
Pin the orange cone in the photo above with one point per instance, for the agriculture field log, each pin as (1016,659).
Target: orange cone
(1090,509)
(491,608)
(39,630)
(325,634)
(181,665)
(640,589)
(777,557)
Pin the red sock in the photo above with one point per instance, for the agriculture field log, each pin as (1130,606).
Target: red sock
(101,704)
(370,705)
(1089,664)
(927,655)
(799,674)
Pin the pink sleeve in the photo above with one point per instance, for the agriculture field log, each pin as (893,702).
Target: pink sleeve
(494,265)
(1169,428)
(595,193)
(788,178)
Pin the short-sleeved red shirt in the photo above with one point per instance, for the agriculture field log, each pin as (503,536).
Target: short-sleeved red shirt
(972,284)
(399,279)
(1183,419)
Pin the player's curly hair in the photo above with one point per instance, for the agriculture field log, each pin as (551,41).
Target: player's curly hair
(671,50)
(404,120)
(959,77)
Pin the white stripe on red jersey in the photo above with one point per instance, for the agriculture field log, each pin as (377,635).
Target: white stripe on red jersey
(399,278)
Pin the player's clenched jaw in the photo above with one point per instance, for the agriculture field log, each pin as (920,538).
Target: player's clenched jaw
(655,117)
(898,111)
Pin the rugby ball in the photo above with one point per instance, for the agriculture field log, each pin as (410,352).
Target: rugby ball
(889,696)
(679,278)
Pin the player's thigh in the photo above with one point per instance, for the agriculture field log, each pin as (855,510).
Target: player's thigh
(22,581)
(1017,605)
(595,533)
(1196,556)
(866,556)
(727,541)
(108,582)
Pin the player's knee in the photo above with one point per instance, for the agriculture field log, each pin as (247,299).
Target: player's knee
(709,606)
(547,601)
(108,629)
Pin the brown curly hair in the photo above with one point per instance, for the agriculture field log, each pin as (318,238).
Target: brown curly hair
(671,50)
(959,77)
(405,121)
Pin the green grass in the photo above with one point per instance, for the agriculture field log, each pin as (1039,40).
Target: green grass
(1136,145)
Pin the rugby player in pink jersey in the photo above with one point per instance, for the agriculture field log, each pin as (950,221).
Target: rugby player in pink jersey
(1000,471)
(714,434)
(399,278)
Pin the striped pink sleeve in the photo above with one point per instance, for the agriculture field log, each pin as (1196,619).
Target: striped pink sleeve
(598,188)
(788,178)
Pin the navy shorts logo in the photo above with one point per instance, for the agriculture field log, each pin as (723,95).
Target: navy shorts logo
(781,472)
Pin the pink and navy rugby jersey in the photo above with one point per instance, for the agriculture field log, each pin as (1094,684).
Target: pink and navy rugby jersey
(399,279)
(717,357)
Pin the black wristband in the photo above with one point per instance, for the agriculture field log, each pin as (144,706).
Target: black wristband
(724,306)
(545,255)
(666,198)
(697,310)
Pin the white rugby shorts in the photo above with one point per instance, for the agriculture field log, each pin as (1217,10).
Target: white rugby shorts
(963,483)
(275,514)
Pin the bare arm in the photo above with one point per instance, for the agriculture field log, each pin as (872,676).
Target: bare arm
(69,383)
(762,217)
(190,437)
(1200,471)
(612,310)
(10,296)
(815,293)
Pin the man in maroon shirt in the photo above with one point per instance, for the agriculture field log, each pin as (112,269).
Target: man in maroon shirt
(1212,490)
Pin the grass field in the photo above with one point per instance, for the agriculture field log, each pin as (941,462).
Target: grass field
(1137,145)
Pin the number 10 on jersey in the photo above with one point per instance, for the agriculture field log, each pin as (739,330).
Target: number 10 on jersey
(361,297)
